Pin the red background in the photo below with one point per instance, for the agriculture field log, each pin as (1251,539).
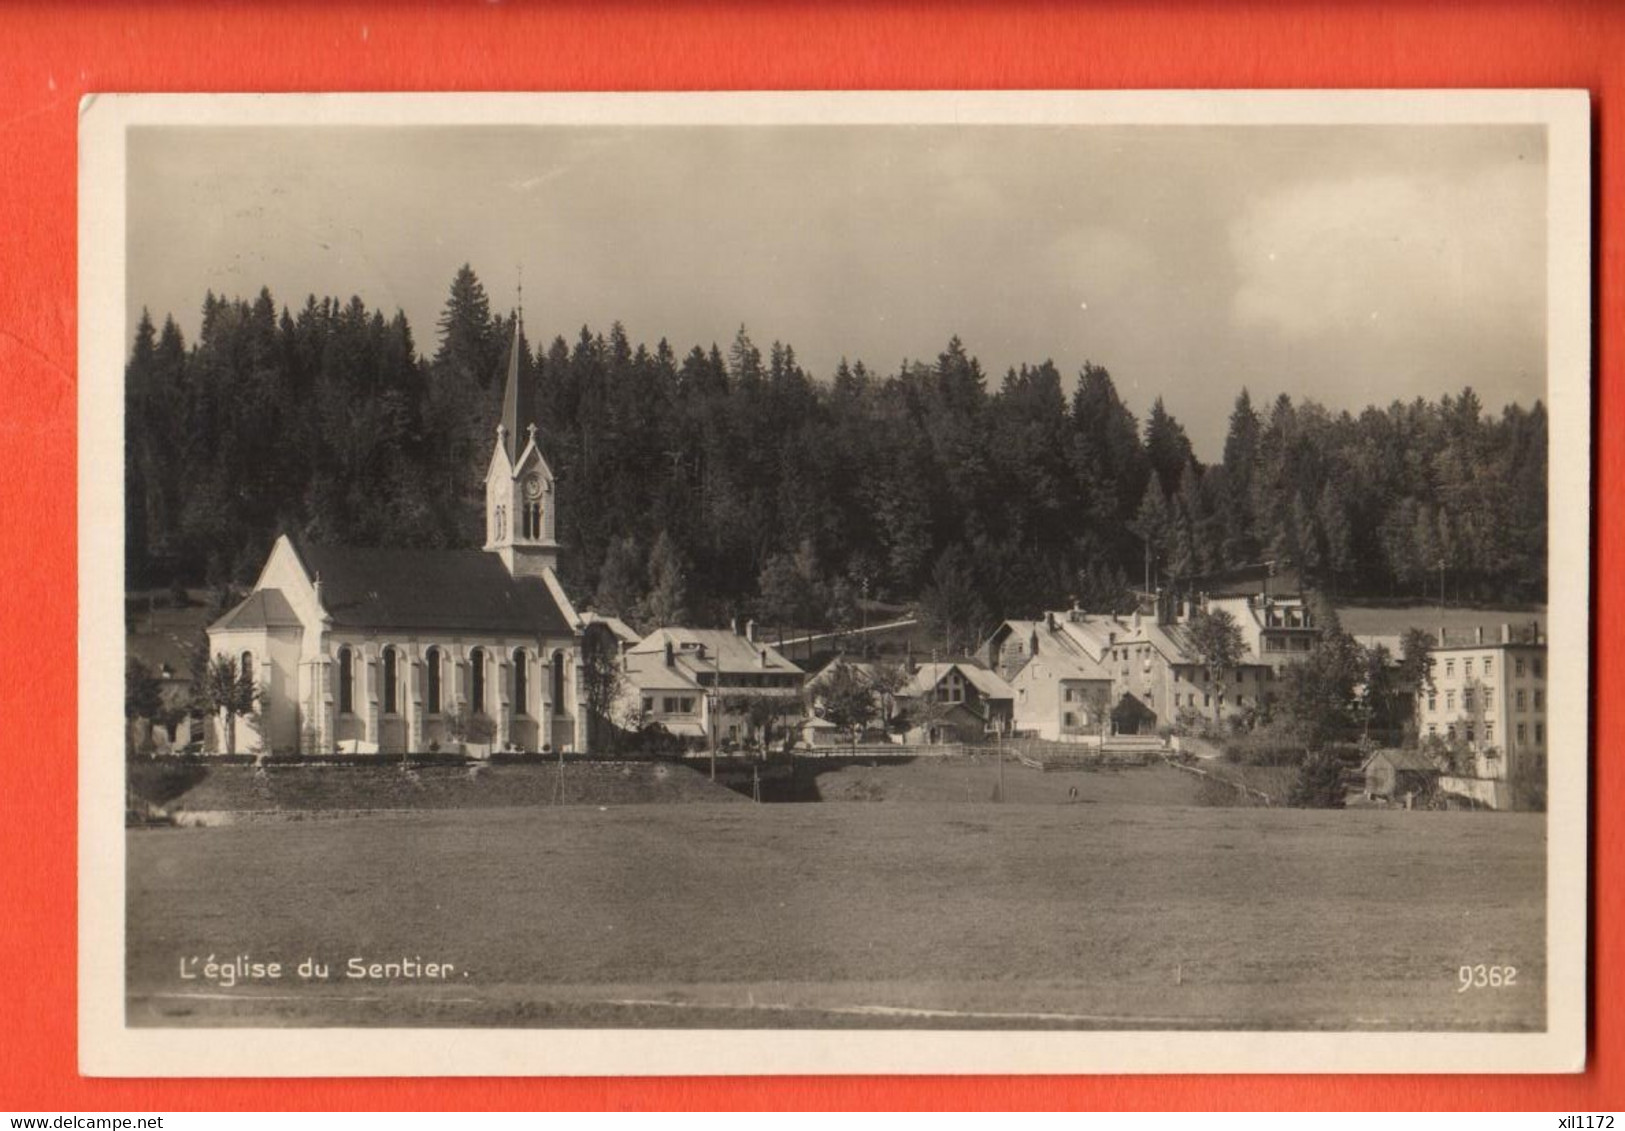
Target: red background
(53,55)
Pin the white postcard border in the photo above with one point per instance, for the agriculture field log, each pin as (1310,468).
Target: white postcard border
(107,1048)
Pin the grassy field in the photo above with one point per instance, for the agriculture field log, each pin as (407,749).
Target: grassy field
(957,915)
(975,778)
(323,788)
(1392,620)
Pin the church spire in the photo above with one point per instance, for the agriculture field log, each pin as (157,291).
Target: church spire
(518,401)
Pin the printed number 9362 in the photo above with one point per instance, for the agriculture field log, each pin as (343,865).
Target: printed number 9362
(1480,977)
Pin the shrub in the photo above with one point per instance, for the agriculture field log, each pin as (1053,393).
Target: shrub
(1264,748)
(476,727)
(1320,783)
(1529,783)
(1218,793)
(655,739)
(161,780)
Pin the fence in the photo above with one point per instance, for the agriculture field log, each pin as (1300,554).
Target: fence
(1118,750)
(889,750)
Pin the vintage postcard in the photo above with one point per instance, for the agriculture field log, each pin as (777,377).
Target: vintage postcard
(821,583)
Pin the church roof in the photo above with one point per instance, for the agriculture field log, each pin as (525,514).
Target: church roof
(446,590)
(518,404)
(263,608)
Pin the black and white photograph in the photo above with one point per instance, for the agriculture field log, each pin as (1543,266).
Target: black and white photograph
(835,583)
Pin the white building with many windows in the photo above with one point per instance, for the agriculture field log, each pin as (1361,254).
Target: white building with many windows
(394,650)
(1488,695)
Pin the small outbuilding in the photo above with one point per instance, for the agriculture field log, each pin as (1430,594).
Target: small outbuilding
(1395,773)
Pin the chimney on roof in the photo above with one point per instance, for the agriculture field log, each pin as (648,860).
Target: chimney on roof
(1478,634)
(1506,634)
(1049,622)
(750,630)
(670,657)
(761,657)
(1136,618)
(733,625)
(1033,642)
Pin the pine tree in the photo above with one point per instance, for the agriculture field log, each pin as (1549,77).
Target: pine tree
(667,602)
(466,338)
(621,585)
(1166,447)
(1240,544)
(951,607)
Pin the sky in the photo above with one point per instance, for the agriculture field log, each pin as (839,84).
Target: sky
(1351,265)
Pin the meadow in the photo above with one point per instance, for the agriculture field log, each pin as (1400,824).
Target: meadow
(957,914)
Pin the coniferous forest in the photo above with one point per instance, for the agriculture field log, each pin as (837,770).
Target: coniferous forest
(726,480)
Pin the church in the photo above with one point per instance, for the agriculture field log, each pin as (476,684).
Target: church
(364,650)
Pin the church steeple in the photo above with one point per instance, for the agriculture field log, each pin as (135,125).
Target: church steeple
(520,524)
(518,400)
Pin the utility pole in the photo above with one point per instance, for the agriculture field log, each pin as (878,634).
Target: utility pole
(711,725)
(998,739)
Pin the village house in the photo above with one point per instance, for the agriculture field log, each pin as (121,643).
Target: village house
(886,678)
(713,684)
(1488,697)
(956,701)
(1156,675)
(163,642)
(393,650)
(1399,775)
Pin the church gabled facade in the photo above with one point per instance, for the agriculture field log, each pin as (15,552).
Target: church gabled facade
(385,650)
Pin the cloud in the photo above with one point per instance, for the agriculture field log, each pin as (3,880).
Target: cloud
(1426,263)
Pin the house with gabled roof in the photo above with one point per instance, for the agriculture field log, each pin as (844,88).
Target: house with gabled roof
(1395,773)
(701,683)
(955,701)
(385,650)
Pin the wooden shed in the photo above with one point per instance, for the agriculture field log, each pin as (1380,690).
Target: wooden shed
(1395,773)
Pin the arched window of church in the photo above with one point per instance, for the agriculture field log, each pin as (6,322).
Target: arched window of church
(431,679)
(498,523)
(558,683)
(533,520)
(245,666)
(521,683)
(392,703)
(476,680)
(346,681)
